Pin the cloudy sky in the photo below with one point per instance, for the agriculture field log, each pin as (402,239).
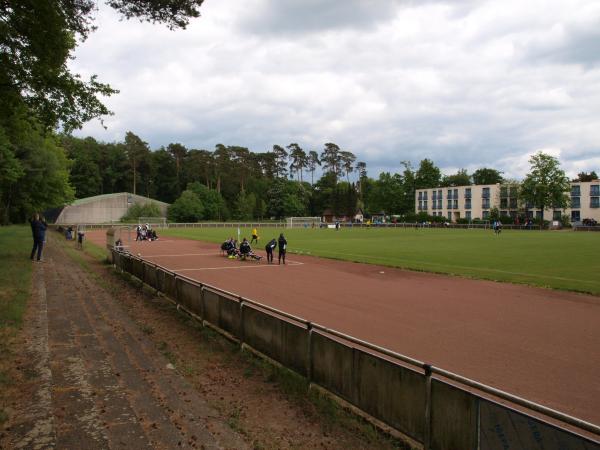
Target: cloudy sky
(465,83)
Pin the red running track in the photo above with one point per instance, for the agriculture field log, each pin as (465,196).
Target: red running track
(538,344)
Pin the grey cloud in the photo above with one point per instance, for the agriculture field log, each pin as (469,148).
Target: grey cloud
(292,16)
(579,47)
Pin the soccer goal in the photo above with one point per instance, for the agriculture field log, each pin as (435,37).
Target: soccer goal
(119,238)
(154,222)
(306,222)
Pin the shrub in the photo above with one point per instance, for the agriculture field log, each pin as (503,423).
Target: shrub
(187,208)
(141,210)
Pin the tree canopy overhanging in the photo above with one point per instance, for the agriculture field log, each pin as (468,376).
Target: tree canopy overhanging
(38,92)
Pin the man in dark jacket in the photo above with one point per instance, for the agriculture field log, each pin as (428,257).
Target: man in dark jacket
(269,248)
(282,248)
(38,229)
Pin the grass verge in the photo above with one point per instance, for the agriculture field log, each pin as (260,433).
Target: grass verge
(15,289)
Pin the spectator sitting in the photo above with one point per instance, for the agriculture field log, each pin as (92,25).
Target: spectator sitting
(245,248)
(226,246)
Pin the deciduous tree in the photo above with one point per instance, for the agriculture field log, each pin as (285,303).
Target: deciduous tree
(546,185)
(487,176)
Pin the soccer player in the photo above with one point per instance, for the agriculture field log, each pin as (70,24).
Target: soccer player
(269,249)
(282,248)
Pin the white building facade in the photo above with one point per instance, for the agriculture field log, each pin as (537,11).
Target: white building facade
(476,202)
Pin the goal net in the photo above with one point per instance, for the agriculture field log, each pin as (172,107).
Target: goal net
(303,222)
(119,237)
(154,222)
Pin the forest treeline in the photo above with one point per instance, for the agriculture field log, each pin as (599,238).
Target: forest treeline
(233,182)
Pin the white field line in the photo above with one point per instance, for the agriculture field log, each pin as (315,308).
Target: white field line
(256,266)
(483,269)
(181,254)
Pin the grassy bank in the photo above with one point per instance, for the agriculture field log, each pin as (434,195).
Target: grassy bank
(560,260)
(15,289)
(15,274)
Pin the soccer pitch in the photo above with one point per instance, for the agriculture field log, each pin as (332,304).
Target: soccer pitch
(556,259)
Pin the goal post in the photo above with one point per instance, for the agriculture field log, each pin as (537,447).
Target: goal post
(154,222)
(303,222)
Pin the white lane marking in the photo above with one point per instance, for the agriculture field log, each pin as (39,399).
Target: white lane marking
(256,266)
(182,254)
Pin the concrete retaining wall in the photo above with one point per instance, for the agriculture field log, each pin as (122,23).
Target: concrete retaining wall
(229,315)
(393,393)
(453,418)
(150,277)
(279,339)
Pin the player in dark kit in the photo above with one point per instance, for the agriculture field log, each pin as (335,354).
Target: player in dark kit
(269,249)
(282,248)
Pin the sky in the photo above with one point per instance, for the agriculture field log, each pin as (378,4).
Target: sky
(465,83)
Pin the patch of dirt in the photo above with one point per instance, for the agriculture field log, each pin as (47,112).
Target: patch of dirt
(270,407)
(19,378)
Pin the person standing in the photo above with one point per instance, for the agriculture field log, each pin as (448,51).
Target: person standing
(38,230)
(269,249)
(282,247)
(254,235)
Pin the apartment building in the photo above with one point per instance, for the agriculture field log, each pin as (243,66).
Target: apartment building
(475,202)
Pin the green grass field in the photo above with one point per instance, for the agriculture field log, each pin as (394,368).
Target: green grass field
(15,274)
(555,259)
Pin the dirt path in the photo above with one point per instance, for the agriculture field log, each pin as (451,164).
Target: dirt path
(109,366)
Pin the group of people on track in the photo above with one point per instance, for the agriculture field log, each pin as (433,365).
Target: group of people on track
(145,233)
(230,248)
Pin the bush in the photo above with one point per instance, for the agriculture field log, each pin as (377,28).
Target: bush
(565,221)
(187,208)
(141,210)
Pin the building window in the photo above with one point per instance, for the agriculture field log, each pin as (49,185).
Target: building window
(575,202)
(455,204)
(434,196)
(513,203)
(420,205)
(425,195)
(468,203)
(575,216)
(538,215)
(468,215)
(420,195)
(576,190)
(503,191)
(594,202)
(504,203)
(449,194)
(485,193)
(556,215)
(449,216)
(595,190)
(449,204)
(485,204)
(455,194)
(486,215)
(468,193)
(440,203)
(440,194)
(425,204)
